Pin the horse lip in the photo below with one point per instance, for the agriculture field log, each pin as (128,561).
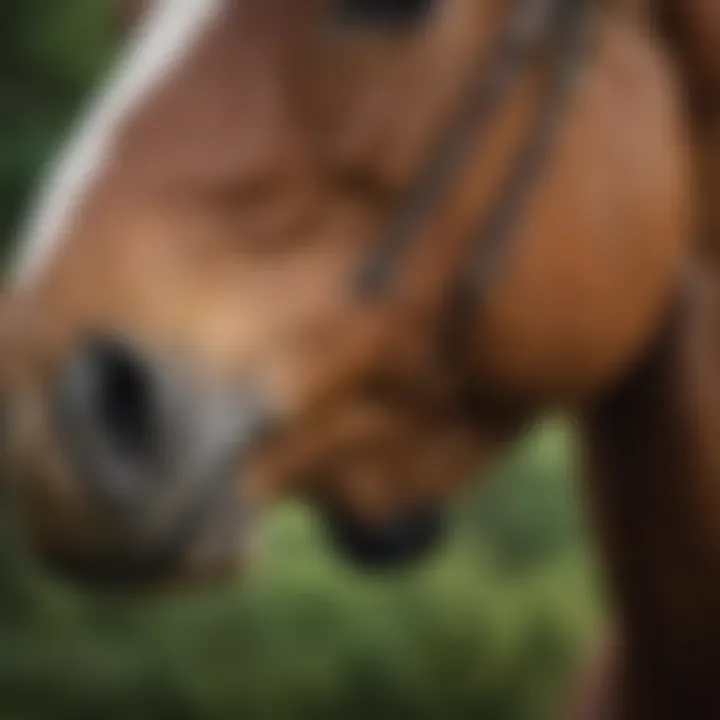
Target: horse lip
(115,571)
(132,561)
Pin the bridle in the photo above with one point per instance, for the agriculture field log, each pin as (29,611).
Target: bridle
(531,29)
(557,26)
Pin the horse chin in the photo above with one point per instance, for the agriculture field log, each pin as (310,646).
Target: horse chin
(402,542)
(155,572)
(204,555)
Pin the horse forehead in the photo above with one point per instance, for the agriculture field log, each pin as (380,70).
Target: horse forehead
(170,30)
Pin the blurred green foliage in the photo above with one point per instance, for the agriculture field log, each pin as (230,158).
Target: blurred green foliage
(490,628)
(51,51)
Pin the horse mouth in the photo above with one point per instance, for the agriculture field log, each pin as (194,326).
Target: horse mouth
(199,538)
(207,551)
(154,455)
(115,572)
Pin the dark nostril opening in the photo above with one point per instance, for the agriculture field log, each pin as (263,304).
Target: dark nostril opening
(111,405)
(123,392)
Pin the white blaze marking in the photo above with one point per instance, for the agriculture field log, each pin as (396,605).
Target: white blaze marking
(169,32)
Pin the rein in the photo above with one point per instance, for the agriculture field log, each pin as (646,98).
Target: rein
(535,26)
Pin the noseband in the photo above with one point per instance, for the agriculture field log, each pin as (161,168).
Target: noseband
(554,27)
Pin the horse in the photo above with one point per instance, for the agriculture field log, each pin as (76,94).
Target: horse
(347,251)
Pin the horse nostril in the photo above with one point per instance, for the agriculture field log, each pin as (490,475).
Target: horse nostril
(150,443)
(122,393)
(111,403)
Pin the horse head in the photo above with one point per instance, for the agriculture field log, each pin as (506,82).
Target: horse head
(195,325)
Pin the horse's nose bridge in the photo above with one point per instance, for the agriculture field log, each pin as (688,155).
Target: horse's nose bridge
(276,145)
(277,106)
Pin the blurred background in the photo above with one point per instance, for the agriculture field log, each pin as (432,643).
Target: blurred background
(494,627)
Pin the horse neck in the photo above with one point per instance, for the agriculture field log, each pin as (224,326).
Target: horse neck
(655,488)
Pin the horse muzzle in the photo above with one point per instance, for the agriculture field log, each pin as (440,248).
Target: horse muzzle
(156,456)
